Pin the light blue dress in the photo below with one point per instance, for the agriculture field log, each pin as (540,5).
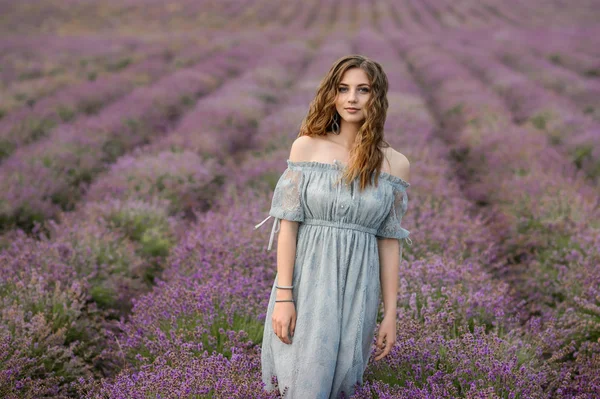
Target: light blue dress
(336,277)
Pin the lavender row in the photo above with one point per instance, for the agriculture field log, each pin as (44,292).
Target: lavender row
(48,175)
(433,18)
(516,14)
(559,48)
(477,125)
(407,17)
(24,81)
(89,98)
(33,123)
(183,166)
(58,72)
(565,125)
(39,52)
(583,92)
(147,17)
(553,13)
(39,79)
(465,15)
(30,73)
(568,47)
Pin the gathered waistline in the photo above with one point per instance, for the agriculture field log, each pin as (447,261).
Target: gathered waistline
(322,222)
(340,225)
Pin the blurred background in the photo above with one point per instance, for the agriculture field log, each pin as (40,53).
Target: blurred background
(140,142)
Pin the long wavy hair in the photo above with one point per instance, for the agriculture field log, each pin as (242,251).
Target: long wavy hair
(366,155)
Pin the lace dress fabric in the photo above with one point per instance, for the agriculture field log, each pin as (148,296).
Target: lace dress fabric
(335,278)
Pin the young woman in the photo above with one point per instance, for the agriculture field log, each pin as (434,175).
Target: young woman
(337,208)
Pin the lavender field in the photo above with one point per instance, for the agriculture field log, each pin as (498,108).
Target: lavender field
(141,140)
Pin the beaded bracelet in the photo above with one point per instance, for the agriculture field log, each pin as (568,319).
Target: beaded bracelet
(284,300)
(285,287)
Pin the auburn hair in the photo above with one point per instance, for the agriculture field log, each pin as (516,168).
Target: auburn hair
(366,155)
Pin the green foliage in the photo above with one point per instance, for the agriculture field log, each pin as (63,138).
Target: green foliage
(268,98)
(394,376)
(555,59)
(217,338)
(450,365)
(32,74)
(52,328)
(155,243)
(56,71)
(90,106)
(593,73)
(21,97)
(186,328)
(582,153)
(22,216)
(146,226)
(116,66)
(65,113)
(113,148)
(104,296)
(6,148)
(186,100)
(134,222)
(458,109)
(540,120)
(33,129)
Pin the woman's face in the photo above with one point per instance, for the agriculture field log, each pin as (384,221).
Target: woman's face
(353,92)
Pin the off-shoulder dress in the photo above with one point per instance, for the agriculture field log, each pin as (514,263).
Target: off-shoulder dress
(335,278)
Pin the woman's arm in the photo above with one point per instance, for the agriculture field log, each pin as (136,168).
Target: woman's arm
(288,230)
(286,256)
(389,262)
(284,313)
(389,259)
(389,248)
(283,318)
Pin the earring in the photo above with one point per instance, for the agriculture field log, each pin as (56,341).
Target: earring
(335,126)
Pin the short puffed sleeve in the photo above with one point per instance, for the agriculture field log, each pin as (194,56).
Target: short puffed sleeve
(391,227)
(286,202)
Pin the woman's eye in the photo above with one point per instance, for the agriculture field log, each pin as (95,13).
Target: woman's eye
(362,89)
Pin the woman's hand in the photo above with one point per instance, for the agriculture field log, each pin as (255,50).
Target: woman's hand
(284,319)
(387,332)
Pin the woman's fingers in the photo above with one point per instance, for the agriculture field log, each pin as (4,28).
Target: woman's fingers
(381,353)
(284,326)
(292,326)
(380,340)
(281,331)
(277,330)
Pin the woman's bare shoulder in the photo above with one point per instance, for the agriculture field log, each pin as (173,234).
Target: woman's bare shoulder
(302,147)
(398,163)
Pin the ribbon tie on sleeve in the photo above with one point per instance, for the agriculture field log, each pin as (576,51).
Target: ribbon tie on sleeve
(408,241)
(274,229)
